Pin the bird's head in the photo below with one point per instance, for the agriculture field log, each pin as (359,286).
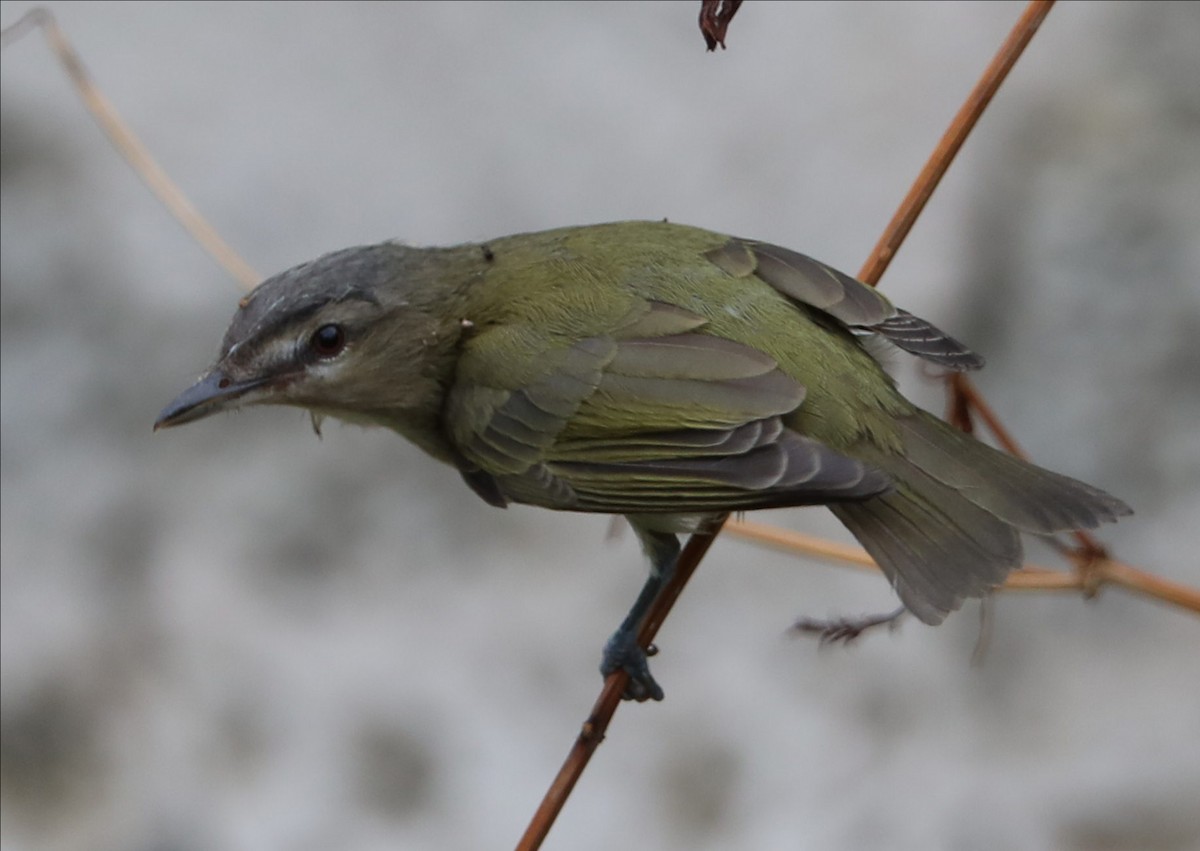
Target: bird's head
(356,334)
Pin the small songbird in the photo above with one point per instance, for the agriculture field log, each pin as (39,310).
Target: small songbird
(658,371)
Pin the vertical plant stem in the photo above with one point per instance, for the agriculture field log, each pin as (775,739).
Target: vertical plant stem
(594,728)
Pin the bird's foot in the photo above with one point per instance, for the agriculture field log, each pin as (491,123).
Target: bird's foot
(845,630)
(623,653)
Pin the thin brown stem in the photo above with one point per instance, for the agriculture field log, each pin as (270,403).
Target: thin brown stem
(129,146)
(963,392)
(1031,577)
(968,115)
(593,730)
(606,705)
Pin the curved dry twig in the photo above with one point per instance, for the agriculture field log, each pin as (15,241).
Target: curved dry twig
(129,146)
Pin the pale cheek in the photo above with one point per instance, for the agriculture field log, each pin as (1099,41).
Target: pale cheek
(319,384)
(325,372)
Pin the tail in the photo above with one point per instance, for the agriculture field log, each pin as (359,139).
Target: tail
(949,529)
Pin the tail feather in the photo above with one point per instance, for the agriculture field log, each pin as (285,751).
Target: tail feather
(949,529)
(936,549)
(1030,498)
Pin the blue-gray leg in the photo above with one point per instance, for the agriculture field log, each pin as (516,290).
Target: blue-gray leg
(622,652)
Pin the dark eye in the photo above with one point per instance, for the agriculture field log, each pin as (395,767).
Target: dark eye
(328,341)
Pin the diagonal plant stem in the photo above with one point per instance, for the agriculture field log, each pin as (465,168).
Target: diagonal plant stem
(968,114)
(606,704)
(129,146)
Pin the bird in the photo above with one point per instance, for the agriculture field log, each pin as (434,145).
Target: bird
(662,372)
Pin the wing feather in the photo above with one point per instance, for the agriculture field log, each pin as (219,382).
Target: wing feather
(685,422)
(846,299)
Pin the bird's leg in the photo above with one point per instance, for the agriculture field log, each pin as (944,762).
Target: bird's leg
(622,651)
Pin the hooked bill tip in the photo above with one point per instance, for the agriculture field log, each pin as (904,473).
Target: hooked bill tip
(212,393)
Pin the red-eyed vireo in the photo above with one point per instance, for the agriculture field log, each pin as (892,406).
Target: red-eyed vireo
(657,371)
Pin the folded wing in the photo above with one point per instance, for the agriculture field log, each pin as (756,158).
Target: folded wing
(678,422)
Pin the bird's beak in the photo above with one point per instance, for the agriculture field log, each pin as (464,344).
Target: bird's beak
(214,392)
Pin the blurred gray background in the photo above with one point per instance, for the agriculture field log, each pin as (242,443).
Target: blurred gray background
(236,636)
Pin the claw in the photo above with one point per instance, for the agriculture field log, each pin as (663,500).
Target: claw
(622,653)
(845,630)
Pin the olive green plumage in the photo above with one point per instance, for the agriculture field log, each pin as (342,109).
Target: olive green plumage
(654,370)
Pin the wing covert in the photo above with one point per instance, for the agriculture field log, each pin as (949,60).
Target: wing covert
(681,422)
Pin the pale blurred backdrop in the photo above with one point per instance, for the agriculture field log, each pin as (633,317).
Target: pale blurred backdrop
(236,637)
